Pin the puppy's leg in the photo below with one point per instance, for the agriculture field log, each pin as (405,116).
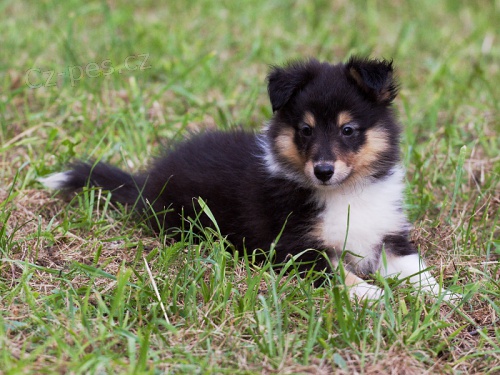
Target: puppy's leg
(412,266)
(359,288)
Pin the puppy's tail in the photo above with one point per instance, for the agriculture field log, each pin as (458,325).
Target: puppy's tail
(125,188)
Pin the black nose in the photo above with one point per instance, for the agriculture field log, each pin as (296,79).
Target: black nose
(323,172)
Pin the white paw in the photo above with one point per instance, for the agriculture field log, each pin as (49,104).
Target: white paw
(367,291)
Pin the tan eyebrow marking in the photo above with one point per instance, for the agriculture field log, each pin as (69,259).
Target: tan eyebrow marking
(309,119)
(343,118)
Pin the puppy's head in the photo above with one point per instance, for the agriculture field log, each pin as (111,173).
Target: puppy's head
(332,123)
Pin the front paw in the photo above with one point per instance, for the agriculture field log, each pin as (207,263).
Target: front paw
(365,291)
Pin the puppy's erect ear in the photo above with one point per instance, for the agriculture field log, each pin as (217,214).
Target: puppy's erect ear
(284,83)
(374,77)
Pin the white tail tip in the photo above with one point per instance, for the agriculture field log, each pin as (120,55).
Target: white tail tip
(55,181)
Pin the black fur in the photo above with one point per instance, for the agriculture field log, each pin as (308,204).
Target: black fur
(399,244)
(226,170)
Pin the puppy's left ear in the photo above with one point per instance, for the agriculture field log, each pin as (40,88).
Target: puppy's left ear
(374,77)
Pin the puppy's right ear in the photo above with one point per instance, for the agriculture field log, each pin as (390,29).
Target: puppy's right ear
(284,83)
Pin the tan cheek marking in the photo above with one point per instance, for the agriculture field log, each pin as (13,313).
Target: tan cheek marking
(376,143)
(344,117)
(286,148)
(309,119)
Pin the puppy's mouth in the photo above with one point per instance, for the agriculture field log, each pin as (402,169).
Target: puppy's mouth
(328,174)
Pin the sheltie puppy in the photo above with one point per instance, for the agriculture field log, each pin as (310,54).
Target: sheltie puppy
(323,174)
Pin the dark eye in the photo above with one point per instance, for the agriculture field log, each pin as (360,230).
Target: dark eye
(347,130)
(306,130)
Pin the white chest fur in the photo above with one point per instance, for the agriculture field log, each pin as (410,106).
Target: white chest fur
(358,219)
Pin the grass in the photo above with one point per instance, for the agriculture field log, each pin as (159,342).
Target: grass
(86,289)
